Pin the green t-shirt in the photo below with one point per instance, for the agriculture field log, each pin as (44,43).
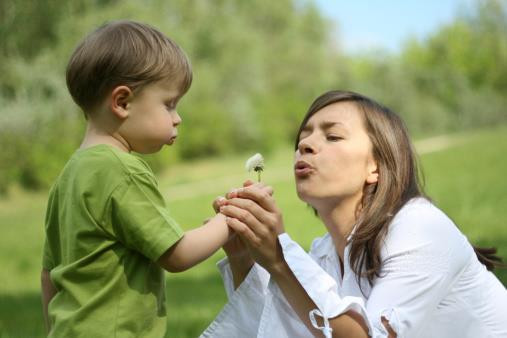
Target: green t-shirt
(106,225)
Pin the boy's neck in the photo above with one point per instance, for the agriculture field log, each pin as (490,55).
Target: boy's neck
(94,136)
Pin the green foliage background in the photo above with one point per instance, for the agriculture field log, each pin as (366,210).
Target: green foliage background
(465,180)
(257,67)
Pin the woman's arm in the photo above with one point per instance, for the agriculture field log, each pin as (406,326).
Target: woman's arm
(423,255)
(239,259)
(349,324)
(48,292)
(254,216)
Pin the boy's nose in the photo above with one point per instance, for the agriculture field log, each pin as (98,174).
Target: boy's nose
(176,119)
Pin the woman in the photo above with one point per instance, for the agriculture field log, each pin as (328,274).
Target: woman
(391,265)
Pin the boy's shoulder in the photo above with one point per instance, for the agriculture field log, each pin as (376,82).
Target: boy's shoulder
(103,155)
(101,164)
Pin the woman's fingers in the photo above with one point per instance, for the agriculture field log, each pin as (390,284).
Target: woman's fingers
(248,184)
(263,248)
(262,196)
(243,231)
(245,217)
(262,215)
(260,185)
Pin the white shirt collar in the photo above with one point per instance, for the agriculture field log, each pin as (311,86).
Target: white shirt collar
(324,245)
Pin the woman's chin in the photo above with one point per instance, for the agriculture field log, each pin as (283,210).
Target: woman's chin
(304,192)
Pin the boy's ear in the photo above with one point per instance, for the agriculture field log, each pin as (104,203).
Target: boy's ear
(120,98)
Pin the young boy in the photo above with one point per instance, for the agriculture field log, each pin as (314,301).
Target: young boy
(109,234)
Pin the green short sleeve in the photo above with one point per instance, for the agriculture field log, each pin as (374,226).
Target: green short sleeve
(47,257)
(141,219)
(48,261)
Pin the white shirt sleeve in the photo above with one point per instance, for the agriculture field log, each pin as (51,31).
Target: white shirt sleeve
(423,254)
(319,286)
(241,316)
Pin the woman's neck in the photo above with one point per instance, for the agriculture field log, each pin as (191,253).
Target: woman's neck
(340,219)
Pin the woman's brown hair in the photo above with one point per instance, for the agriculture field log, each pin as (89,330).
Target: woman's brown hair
(398,181)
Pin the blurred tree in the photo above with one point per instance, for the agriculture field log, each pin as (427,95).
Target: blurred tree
(257,67)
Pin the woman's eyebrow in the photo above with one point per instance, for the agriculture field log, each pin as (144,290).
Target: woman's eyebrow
(307,127)
(323,125)
(329,124)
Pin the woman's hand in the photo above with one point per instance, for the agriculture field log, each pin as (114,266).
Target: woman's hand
(235,250)
(252,213)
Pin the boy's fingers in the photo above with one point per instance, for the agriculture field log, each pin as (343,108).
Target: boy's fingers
(243,231)
(218,202)
(248,183)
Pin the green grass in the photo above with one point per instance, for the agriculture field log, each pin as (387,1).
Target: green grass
(466,181)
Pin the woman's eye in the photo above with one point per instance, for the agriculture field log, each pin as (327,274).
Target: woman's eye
(333,138)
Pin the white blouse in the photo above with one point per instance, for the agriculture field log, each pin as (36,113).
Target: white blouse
(431,285)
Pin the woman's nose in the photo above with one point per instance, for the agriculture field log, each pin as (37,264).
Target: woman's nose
(305,147)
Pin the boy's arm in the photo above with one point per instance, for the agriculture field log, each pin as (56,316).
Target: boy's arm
(196,245)
(48,292)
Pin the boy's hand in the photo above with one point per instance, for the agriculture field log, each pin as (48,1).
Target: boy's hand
(217,203)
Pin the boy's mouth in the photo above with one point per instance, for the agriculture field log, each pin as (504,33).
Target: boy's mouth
(172,139)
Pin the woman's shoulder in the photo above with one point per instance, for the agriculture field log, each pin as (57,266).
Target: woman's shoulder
(420,223)
(422,216)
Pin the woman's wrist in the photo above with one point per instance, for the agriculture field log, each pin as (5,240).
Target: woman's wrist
(241,261)
(240,267)
(279,269)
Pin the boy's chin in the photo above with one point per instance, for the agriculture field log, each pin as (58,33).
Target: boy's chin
(149,150)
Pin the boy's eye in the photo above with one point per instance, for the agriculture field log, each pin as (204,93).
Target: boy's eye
(170,106)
